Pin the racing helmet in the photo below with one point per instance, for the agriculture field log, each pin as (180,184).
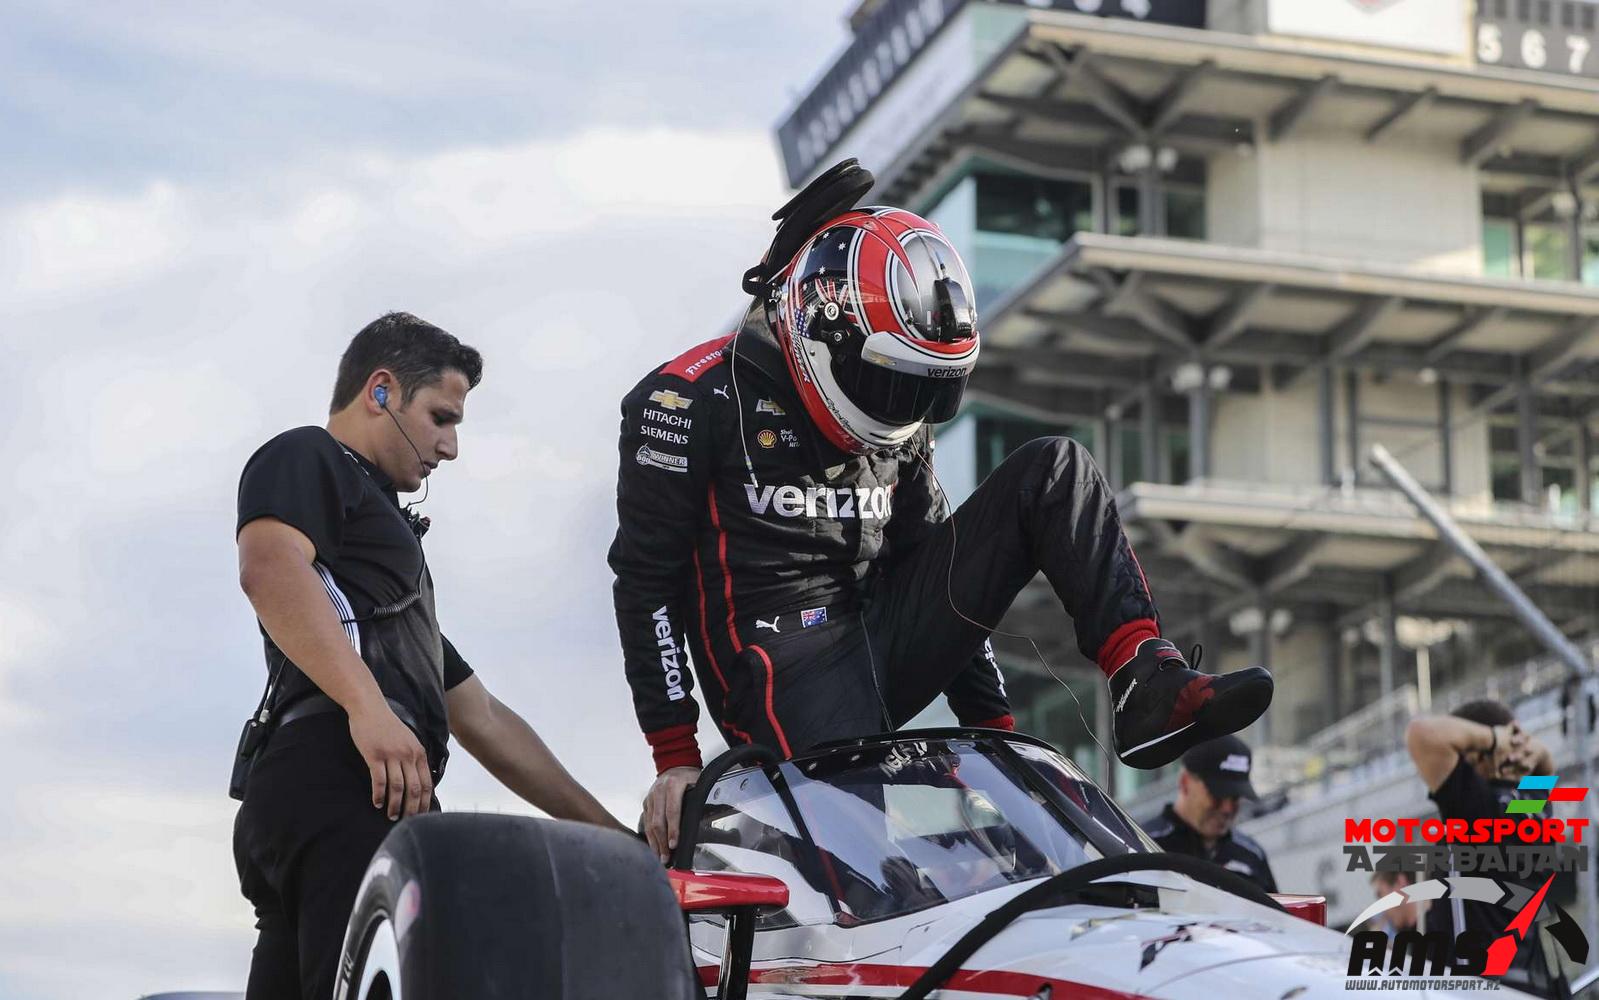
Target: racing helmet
(876,318)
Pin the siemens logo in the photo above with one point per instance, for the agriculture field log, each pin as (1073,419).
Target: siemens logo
(671,666)
(867,503)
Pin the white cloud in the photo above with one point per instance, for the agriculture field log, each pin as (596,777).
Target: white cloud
(62,244)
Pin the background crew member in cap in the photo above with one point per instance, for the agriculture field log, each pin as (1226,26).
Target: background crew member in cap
(778,513)
(1214,778)
(1471,761)
(363,690)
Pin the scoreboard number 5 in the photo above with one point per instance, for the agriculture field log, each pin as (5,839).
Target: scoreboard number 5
(1490,43)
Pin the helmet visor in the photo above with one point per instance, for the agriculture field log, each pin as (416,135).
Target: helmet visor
(900,397)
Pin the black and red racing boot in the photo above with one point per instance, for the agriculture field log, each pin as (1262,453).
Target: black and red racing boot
(1162,706)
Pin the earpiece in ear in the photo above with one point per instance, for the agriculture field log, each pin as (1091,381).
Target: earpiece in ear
(381,394)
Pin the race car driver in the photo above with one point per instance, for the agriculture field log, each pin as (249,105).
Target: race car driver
(779,516)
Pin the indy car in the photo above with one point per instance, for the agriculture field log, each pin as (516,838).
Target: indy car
(940,864)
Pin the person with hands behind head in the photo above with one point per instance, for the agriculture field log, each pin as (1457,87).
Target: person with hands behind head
(363,690)
(1471,762)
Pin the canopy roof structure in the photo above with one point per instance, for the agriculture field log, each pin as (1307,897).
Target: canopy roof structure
(1068,87)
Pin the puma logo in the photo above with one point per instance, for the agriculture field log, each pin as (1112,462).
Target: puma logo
(720,392)
(771,624)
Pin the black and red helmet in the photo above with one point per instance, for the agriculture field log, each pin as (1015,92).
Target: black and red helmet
(876,317)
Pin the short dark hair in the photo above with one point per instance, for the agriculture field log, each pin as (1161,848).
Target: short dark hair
(1485,711)
(416,351)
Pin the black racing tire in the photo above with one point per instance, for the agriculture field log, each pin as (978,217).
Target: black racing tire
(486,907)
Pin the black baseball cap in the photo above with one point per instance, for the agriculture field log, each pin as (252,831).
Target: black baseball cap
(1223,764)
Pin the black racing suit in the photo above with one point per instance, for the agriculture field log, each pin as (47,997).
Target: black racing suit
(817,590)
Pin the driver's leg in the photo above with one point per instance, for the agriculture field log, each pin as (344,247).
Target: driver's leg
(1046,508)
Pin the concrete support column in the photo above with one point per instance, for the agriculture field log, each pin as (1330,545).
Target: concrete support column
(1199,425)
(1352,425)
(1326,418)
(1101,444)
(1112,464)
(1260,654)
(1526,437)
(1583,453)
(1332,669)
(1388,651)
(1105,217)
(1151,201)
(1446,447)
(1574,235)
(1149,433)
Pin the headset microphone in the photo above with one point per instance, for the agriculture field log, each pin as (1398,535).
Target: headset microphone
(381,394)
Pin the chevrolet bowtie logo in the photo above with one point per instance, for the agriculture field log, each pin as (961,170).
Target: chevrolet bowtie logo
(670,399)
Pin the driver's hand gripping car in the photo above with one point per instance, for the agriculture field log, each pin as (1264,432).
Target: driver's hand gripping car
(779,517)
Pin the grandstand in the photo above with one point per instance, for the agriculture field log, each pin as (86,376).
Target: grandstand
(1230,246)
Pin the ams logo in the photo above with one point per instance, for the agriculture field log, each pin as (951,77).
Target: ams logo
(1469,953)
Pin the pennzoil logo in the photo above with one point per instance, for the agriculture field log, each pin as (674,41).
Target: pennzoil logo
(670,399)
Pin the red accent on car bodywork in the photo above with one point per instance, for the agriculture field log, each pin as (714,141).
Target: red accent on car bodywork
(714,892)
(999,982)
(1305,907)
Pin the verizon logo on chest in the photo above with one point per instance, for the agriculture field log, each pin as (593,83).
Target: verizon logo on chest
(864,502)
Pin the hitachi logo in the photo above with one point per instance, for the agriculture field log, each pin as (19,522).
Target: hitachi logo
(670,664)
(865,502)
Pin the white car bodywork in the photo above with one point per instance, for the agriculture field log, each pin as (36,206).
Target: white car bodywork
(1197,941)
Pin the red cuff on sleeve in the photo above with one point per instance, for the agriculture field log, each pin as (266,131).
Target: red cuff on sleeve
(675,746)
(1006,722)
(1123,643)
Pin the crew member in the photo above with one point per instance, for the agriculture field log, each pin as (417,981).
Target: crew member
(1404,917)
(363,691)
(778,514)
(1202,821)
(1471,762)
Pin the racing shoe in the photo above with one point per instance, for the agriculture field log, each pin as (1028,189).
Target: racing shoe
(1163,706)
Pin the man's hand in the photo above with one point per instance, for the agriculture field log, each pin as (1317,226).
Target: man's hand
(401,779)
(663,809)
(1513,754)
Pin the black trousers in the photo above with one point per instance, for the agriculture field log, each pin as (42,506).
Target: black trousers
(1046,508)
(301,842)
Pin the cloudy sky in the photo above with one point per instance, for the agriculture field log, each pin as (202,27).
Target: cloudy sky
(200,205)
